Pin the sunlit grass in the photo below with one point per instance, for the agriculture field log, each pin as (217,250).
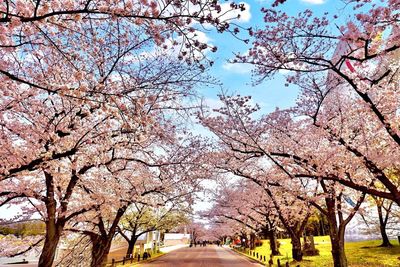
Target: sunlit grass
(362,253)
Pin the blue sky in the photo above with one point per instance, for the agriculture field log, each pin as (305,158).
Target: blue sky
(236,78)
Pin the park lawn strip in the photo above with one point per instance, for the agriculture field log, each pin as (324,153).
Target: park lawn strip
(361,253)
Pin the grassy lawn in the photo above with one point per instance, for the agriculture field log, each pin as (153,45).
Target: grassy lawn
(359,254)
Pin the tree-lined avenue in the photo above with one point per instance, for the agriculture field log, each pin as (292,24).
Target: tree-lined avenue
(201,257)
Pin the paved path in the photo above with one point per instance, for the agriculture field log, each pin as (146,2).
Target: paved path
(210,256)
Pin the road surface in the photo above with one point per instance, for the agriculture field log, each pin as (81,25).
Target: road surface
(210,256)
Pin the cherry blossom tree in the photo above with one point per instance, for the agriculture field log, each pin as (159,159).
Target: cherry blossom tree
(70,137)
(282,151)
(384,208)
(292,212)
(86,49)
(233,205)
(197,231)
(148,178)
(141,219)
(340,131)
(84,80)
(65,29)
(356,66)
(109,163)
(102,225)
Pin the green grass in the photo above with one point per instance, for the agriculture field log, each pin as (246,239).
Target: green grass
(359,254)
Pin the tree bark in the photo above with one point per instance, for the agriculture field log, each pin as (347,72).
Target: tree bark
(273,244)
(339,255)
(252,241)
(101,243)
(297,253)
(100,250)
(385,238)
(53,234)
(336,234)
(382,228)
(322,227)
(54,227)
(131,245)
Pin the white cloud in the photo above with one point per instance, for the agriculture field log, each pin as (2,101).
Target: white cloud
(314,2)
(237,68)
(213,103)
(201,37)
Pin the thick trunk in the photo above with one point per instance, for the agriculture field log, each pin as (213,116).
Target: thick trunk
(382,228)
(54,227)
(131,246)
(273,244)
(338,254)
(297,253)
(252,241)
(129,252)
(336,234)
(100,250)
(49,249)
(101,244)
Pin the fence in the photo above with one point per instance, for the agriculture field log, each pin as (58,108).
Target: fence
(125,260)
(263,258)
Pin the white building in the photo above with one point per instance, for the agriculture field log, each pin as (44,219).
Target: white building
(172,239)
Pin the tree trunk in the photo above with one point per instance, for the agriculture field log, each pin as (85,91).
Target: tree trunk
(100,248)
(54,227)
(338,254)
(385,238)
(131,245)
(129,252)
(101,244)
(336,234)
(322,227)
(48,254)
(297,253)
(382,228)
(252,241)
(273,244)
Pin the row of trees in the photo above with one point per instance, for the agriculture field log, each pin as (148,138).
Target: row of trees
(142,220)
(91,100)
(92,93)
(23,228)
(138,220)
(338,144)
